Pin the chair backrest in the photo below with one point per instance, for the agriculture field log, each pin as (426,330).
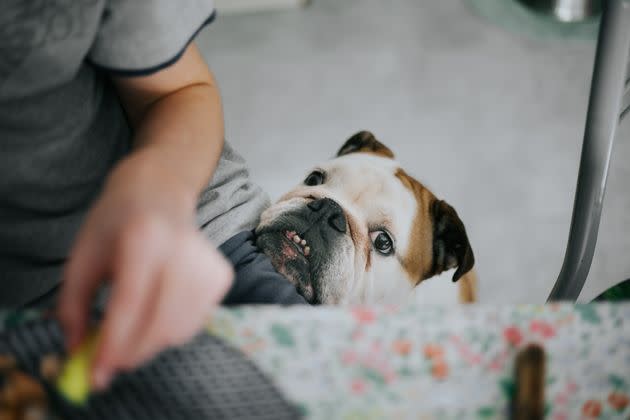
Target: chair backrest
(609,102)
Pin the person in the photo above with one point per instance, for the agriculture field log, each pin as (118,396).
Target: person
(113,168)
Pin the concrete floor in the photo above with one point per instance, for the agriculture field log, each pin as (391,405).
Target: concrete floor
(490,120)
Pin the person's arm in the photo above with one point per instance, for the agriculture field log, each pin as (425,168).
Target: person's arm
(177,117)
(141,233)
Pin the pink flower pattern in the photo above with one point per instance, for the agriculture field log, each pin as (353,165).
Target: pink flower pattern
(394,362)
(543,328)
(378,362)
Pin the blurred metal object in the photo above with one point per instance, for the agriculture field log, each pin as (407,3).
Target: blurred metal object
(249,6)
(626,96)
(608,88)
(519,17)
(566,10)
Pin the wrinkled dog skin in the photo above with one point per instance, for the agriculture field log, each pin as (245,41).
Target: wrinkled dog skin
(359,229)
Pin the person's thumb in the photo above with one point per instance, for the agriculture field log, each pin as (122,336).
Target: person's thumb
(83,273)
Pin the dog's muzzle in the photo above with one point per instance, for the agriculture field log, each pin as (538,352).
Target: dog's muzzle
(302,241)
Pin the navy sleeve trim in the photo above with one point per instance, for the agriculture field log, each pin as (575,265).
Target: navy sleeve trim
(154,69)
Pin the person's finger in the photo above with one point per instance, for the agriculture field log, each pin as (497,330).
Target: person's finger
(84,271)
(196,278)
(137,260)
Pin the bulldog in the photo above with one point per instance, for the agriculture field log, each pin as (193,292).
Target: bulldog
(359,229)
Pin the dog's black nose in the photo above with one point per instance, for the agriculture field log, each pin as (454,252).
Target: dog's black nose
(331,211)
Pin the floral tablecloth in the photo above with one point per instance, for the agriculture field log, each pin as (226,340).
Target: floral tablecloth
(431,362)
(436,362)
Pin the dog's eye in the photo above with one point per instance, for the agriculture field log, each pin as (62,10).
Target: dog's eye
(314,178)
(382,242)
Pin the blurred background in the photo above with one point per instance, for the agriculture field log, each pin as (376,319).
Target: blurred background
(483,102)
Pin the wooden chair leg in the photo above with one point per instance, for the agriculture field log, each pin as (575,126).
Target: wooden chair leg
(529,399)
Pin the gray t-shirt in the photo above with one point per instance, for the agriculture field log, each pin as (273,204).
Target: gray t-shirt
(62,127)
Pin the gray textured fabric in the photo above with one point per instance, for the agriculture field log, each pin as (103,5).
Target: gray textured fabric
(62,127)
(232,203)
(204,379)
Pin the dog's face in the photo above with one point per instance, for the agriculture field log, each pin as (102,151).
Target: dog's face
(359,229)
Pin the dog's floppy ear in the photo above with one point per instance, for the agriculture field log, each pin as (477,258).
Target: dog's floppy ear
(364,142)
(450,242)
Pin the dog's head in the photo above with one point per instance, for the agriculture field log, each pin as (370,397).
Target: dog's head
(360,229)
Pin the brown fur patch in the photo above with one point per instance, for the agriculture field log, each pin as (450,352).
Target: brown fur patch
(358,239)
(468,287)
(417,261)
(378,152)
(368,257)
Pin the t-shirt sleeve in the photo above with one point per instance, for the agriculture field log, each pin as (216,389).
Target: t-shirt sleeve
(140,37)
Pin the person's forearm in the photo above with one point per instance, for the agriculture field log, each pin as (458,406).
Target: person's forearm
(178,141)
(177,120)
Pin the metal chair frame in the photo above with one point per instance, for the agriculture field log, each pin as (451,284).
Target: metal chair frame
(609,102)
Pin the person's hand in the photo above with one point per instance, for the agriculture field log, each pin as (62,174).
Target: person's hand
(165,276)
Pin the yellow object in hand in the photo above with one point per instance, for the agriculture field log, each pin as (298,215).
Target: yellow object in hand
(74,381)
